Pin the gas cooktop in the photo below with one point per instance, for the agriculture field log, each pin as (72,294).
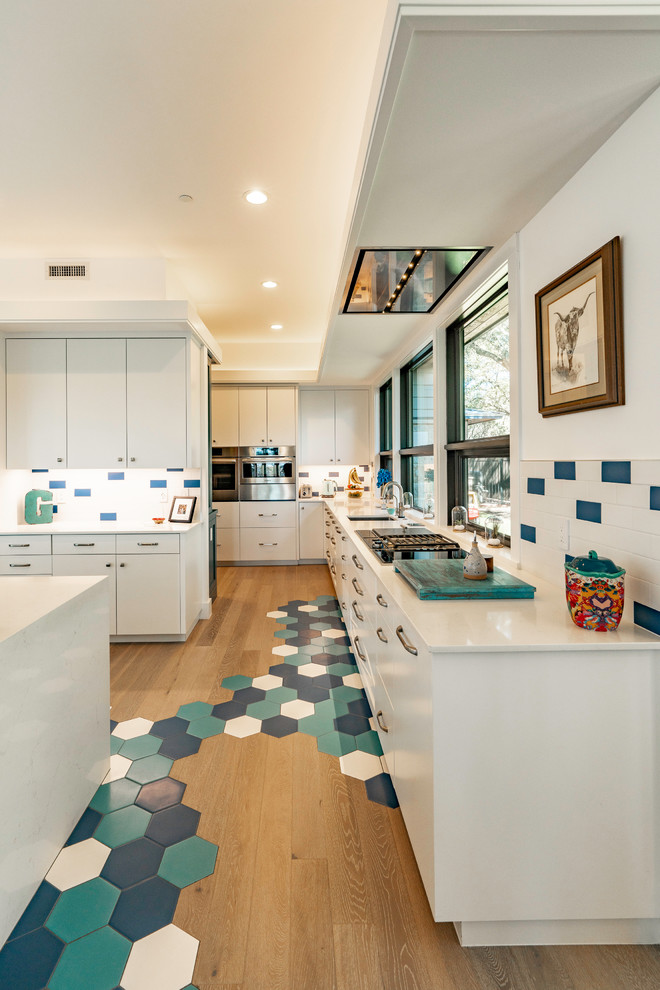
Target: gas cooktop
(390,545)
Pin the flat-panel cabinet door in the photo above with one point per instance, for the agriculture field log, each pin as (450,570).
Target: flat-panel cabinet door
(317,427)
(252,412)
(91,565)
(156,402)
(36,403)
(224,417)
(282,417)
(148,594)
(311,530)
(96,402)
(352,426)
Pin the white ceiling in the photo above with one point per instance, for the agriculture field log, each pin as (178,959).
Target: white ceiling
(110,111)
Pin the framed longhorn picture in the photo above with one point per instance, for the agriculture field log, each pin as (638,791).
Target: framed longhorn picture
(579,336)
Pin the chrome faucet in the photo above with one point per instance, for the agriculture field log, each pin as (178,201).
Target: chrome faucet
(399,495)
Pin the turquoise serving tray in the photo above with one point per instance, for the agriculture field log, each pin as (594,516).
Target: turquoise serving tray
(438,579)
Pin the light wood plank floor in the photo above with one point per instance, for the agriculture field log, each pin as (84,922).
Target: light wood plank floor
(315,887)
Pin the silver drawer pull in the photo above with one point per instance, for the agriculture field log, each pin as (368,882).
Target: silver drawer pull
(344,539)
(404,641)
(337,529)
(357,587)
(269,514)
(358,650)
(327,553)
(327,536)
(122,565)
(108,565)
(344,578)
(343,556)
(333,568)
(332,540)
(357,563)
(381,601)
(19,544)
(359,617)
(381,722)
(144,544)
(268,544)
(84,544)
(20,565)
(381,635)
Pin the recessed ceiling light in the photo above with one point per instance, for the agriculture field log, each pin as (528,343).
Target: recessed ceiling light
(276,326)
(185,198)
(269,284)
(256,197)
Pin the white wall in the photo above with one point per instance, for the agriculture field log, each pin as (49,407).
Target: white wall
(109,279)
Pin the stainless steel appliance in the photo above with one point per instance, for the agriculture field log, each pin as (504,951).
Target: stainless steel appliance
(267,474)
(305,491)
(390,545)
(224,474)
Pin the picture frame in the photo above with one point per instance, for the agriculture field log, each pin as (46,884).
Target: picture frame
(579,336)
(182,509)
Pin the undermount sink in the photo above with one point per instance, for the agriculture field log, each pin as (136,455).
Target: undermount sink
(366,513)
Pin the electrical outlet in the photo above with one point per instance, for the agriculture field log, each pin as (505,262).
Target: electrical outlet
(564,534)
(163,496)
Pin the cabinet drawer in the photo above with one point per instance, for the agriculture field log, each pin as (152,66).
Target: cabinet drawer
(92,543)
(148,543)
(268,544)
(22,545)
(26,565)
(228,515)
(275,514)
(228,544)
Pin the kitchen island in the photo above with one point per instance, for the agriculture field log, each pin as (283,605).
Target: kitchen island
(54,736)
(523,751)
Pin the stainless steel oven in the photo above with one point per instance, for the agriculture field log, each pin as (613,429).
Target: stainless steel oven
(267,473)
(224,474)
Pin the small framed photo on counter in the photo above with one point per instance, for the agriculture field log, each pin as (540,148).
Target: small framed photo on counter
(182,509)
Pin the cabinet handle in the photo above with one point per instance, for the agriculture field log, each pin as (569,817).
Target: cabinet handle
(84,544)
(271,514)
(343,539)
(343,556)
(338,460)
(263,440)
(359,617)
(108,565)
(146,544)
(332,540)
(381,723)
(358,650)
(333,569)
(132,458)
(381,601)
(344,578)
(268,544)
(120,458)
(331,461)
(20,565)
(327,553)
(19,544)
(357,563)
(381,635)
(337,529)
(407,645)
(59,460)
(357,587)
(122,565)
(343,605)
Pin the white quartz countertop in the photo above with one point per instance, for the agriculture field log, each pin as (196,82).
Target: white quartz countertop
(541,624)
(25,600)
(62,528)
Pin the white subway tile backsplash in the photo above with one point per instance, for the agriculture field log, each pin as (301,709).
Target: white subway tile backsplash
(617,515)
(633,495)
(537,469)
(561,488)
(588,470)
(645,472)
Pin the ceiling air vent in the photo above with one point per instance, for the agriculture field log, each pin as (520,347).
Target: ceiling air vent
(59,269)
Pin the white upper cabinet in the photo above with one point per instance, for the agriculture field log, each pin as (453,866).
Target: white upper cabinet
(156,401)
(224,417)
(334,426)
(96,402)
(267,416)
(36,403)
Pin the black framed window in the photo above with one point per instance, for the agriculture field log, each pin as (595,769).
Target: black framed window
(478,412)
(385,404)
(417,460)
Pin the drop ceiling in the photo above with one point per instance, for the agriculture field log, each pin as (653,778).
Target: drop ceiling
(365,130)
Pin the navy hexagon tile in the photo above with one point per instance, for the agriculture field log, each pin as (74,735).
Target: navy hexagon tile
(89,927)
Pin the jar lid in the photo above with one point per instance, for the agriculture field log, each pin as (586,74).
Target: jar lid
(595,566)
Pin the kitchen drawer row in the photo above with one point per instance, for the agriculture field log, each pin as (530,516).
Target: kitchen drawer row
(266,532)
(152,584)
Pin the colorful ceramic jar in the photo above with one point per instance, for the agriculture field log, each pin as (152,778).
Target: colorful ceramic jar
(594,592)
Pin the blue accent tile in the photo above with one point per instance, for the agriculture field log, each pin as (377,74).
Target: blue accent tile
(536,486)
(176,747)
(27,963)
(158,484)
(589,511)
(115,475)
(57,484)
(82,492)
(85,828)
(565,470)
(279,726)
(191,483)
(37,910)
(381,790)
(173,825)
(616,471)
(108,516)
(654,502)
(333,474)
(133,862)
(169,727)
(55,509)
(174,469)
(303,474)
(647,617)
(145,908)
(39,470)
(528,533)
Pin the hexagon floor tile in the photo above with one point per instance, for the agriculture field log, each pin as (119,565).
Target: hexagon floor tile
(102,918)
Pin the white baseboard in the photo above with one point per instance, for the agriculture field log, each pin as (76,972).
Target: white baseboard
(599,931)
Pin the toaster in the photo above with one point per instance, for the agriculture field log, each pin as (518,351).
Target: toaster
(305,491)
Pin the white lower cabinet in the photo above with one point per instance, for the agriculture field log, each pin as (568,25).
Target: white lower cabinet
(268,532)
(148,594)
(91,565)
(228,543)
(310,530)
(24,555)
